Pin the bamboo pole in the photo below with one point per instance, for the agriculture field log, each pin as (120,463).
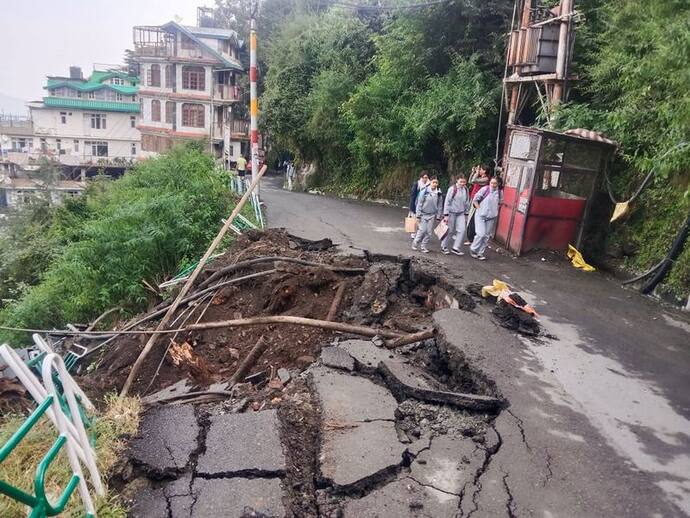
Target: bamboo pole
(188,285)
(301,321)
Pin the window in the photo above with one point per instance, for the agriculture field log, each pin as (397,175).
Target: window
(134,98)
(133,121)
(153,77)
(21,144)
(97,121)
(194,78)
(58,144)
(134,148)
(168,76)
(118,96)
(187,42)
(44,145)
(76,146)
(170,112)
(63,117)
(92,95)
(117,81)
(156,110)
(193,115)
(98,148)
(78,95)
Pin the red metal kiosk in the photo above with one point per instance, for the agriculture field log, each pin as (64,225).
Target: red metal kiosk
(549,180)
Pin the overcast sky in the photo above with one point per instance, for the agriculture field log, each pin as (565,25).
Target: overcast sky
(45,37)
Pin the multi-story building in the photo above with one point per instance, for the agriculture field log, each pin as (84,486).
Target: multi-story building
(82,126)
(190,80)
(88,122)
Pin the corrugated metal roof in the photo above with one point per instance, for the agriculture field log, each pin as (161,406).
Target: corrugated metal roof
(211,32)
(87,86)
(86,104)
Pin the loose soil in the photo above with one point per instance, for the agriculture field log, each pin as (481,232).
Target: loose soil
(214,354)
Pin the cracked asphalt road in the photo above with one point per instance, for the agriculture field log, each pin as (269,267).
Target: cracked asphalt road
(599,423)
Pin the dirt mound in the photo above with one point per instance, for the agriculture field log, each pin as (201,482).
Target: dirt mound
(307,289)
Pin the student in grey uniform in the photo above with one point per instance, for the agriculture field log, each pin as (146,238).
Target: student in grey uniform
(486,202)
(429,210)
(455,211)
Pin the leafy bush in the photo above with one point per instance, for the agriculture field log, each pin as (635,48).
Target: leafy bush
(139,228)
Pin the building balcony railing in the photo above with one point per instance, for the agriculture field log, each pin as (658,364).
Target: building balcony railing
(239,128)
(227,92)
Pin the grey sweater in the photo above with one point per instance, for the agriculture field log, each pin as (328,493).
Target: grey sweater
(430,203)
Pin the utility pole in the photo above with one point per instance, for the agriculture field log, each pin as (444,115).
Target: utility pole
(253,99)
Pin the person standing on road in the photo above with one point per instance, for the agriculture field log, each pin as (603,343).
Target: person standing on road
(242,170)
(478,179)
(429,209)
(417,187)
(455,210)
(486,203)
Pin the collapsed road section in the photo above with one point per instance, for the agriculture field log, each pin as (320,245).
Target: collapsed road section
(275,418)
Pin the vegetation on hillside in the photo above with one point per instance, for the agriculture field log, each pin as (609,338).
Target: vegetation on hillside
(369,97)
(97,251)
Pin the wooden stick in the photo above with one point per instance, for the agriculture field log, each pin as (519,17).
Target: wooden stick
(249,361)
(300,321)
(410,339)
(190,282)
(250,262)
(336,301)
(101,317)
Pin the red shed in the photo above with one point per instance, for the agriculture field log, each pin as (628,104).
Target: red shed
(549,180)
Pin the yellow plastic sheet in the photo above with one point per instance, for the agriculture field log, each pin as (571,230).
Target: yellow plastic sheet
(495,289)
(620,211)
(578,261)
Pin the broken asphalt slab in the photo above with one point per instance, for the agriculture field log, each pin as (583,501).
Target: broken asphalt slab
(407,380)
(236,497)
(359,441)
(366,355)
(548,459)
(337,358)
(243,445)
(167,438)
(403,498)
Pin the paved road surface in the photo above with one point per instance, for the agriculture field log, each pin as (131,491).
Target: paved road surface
(621,362)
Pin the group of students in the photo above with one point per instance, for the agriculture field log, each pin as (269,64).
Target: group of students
(429,206)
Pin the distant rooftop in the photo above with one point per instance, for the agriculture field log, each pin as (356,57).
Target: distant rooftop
(211,32)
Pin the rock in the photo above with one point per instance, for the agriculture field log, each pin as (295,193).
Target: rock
(235,497)
(378,341)
(275,384)
(407,380)
(402,498)
(370,299)
(166,440)
(337,358)
(243,444)
(284,375)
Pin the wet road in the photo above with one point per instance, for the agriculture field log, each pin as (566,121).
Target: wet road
(620,361)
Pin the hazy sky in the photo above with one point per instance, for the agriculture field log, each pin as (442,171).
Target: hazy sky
(42,37)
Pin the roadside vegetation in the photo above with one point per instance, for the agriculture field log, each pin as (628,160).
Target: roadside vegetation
(119,419)
(98,251)
(368,98)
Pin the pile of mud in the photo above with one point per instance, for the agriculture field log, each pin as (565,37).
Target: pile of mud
(376,291)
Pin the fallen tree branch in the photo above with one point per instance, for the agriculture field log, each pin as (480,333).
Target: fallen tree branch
(250,262)
(410,339)
(249,361)
(300,321)
(189,283)
(333,310)
(101,317)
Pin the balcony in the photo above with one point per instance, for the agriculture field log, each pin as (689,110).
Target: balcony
(153,42)
(239,129)
(227,92)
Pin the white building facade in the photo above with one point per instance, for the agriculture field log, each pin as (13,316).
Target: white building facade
(190,81)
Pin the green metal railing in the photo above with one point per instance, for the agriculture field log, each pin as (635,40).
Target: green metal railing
(38,502)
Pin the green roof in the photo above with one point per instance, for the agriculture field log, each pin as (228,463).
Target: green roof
(87,86)
(98,76)
(87,104)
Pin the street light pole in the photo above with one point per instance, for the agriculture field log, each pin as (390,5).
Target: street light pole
(253,99)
